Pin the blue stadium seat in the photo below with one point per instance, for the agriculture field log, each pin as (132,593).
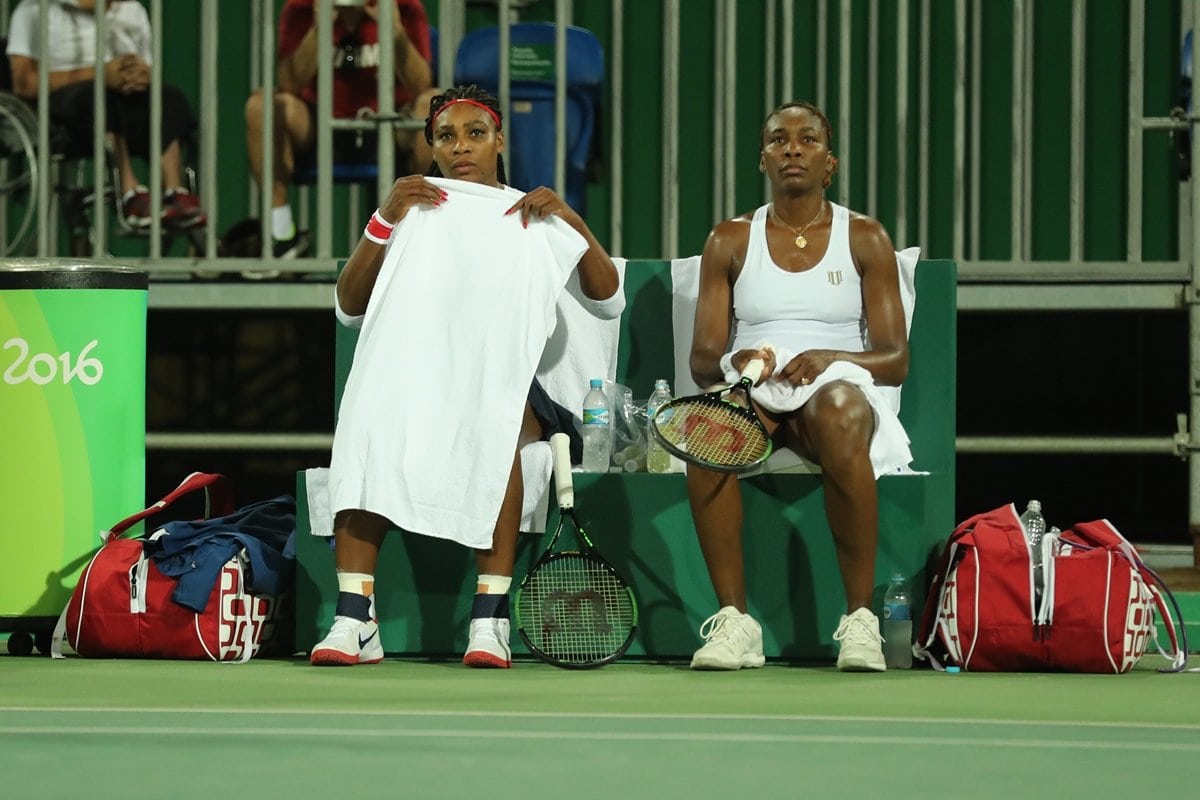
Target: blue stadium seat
(530,124)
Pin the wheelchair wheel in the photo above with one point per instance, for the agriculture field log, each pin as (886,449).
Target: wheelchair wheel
(18,164)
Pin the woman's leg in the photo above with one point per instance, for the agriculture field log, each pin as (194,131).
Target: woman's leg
(836,428)
(488,638)
(354,637)
(716,502)
(733,639)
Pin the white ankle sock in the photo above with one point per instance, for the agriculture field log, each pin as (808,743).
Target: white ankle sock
(282,225)
(494,584)
(356,583)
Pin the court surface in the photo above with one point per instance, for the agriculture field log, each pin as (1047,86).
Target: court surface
(400,729)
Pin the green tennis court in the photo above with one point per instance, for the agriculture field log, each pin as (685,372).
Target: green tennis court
(280,728)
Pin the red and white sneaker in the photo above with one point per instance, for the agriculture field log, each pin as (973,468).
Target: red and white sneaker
(488,644)
(182,209)
(350,641)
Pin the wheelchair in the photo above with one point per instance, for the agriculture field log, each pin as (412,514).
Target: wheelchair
(72,194)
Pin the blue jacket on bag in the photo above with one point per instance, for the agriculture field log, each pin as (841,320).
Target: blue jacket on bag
(195,551)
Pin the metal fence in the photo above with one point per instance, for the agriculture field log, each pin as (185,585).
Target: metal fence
(913,92)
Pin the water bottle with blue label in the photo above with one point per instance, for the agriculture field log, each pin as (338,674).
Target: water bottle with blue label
(597,428)
(897,624)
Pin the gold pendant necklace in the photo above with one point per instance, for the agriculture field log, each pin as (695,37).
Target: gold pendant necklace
(799,241)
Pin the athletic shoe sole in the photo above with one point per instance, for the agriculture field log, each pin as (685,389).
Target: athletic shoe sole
(336,658)
(485,660)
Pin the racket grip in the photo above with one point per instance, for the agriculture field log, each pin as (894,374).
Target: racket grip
(564,486)
(754,370)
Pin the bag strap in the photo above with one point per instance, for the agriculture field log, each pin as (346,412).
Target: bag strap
(1102,533)
(218,501)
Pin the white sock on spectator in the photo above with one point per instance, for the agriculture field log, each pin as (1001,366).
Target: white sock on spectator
(282,225)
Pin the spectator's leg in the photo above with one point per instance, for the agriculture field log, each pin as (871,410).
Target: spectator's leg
(124,164)
(294,133)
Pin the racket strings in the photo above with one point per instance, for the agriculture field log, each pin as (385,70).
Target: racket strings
(716,431)
(575,610)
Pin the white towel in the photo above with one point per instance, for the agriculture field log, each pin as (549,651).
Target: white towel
(536,468)
(889,445)
(564,371)
(452,336)
(685,289)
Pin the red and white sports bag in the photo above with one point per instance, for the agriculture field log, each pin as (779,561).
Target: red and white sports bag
(1095,613)
(122,606)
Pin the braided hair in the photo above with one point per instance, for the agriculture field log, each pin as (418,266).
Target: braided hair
(824,123)
(475,95)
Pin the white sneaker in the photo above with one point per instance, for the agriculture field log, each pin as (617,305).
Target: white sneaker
(862,646)
(350,641)
(488,644)
(732,640)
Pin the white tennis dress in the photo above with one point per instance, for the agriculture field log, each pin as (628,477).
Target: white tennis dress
(456,324)
(819,308)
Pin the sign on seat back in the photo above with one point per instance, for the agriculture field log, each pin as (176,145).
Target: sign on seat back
(529,146)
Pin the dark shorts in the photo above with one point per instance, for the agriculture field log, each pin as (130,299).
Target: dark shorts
(72,109)
(555,419)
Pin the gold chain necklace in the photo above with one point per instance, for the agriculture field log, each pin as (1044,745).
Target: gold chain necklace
(800,241)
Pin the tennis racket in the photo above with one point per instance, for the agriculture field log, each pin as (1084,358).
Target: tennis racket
(573,609)
(716,430)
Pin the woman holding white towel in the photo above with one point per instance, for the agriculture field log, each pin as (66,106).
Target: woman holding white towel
(394,262)
(818,283)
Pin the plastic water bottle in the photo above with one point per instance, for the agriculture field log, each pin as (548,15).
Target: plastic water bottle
(1035,527)
(597,429)
(897,624)
(657,459)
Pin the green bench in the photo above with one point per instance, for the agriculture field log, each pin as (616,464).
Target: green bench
(642,523)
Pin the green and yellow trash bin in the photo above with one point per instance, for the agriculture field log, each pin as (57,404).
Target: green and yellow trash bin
(72,428)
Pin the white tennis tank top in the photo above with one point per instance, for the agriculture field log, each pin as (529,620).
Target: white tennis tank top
(819,308)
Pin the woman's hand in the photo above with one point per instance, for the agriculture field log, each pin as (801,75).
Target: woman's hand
(407,192)
(543,202)
(804,368)
(743,357)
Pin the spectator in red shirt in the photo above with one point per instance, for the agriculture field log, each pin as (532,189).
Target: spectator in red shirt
(355,53)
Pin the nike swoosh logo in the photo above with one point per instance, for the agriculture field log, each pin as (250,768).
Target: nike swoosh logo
(363,642)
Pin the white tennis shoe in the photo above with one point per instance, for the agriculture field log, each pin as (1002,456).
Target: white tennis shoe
(732,640)
(488,644)
(350,641)
(862,646)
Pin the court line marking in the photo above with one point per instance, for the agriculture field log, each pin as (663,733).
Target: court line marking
(571,715)
(716,737)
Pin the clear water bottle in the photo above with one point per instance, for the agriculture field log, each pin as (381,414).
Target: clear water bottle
(1035,527)
(657,459)
(597,429)
(897,624)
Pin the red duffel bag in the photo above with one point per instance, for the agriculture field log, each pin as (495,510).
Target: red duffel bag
(1095,611)
(123,604)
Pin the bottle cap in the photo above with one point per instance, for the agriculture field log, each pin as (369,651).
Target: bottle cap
(597,383)
(953,670)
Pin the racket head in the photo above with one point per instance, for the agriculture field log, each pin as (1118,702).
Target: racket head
(712,431)
(573,609)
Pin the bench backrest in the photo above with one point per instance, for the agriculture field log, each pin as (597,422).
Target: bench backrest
(645,352)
